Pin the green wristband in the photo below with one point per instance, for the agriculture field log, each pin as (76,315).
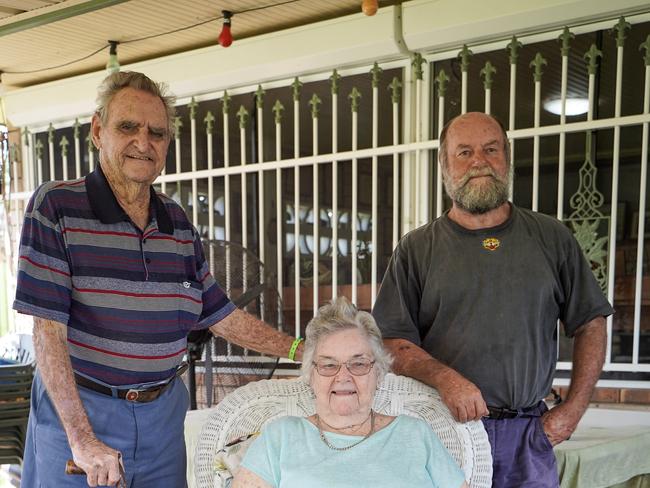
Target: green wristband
(294,348)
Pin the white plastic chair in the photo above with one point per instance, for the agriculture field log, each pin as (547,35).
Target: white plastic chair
(248,408)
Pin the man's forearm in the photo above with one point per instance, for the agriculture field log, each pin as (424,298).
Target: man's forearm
(53,360)
(588,357)
(462,397)
(411,360)
(247,331)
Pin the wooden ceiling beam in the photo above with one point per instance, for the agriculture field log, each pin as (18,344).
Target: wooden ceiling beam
(56,15)
(9,10)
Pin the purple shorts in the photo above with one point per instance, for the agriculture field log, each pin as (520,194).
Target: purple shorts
(522,455)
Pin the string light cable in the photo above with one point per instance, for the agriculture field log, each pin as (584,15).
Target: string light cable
(152,36)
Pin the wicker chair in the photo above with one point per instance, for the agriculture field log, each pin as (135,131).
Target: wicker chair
(250,407)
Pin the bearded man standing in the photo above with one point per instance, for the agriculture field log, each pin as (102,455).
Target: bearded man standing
(470,303)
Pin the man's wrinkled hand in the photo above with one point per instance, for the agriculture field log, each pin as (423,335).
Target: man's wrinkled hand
(100,462)
(462,397)
(560,422)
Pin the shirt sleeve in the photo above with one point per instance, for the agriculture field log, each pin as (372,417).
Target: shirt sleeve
(44,285)
(398,301)
(216,304)
(263,456)
(583,298)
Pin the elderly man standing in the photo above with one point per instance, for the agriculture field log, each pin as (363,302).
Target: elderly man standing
(470,303)
(115,277)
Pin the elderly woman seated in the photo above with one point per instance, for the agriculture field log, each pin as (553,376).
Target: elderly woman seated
(346,443)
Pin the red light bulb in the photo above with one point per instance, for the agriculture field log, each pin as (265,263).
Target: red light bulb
(225,38)
(369,7)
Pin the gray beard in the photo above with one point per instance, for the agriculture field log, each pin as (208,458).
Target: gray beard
(477,199)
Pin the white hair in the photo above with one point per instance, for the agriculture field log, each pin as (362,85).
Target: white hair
(338,315)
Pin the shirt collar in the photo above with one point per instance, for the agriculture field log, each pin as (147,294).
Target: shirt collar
(105,206)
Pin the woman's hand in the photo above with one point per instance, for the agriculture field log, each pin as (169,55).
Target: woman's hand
(247,479)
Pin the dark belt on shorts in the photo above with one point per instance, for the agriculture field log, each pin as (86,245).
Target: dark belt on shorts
(501,413)
(143,395)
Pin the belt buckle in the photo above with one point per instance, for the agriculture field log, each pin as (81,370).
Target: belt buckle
(132,395)
(503,413)
(510,413)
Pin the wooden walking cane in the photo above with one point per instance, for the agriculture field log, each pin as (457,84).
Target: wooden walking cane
(72,468)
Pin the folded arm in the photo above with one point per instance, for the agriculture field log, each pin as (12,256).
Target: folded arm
(100,462)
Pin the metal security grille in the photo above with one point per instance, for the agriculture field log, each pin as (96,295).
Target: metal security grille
(320,175)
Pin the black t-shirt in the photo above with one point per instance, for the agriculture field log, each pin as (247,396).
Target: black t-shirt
(486,302)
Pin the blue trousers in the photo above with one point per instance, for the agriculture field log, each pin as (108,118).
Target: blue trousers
(149,435)
(522,456)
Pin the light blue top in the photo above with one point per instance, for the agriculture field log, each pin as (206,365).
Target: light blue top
(290,454)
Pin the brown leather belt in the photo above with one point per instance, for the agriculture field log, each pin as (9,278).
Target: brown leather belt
(143,395)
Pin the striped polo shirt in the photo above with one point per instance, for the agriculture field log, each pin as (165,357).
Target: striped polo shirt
(128,297)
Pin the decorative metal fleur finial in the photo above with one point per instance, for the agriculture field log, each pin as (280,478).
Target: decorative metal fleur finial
(417,66)
(442,80)
(464,56)
(26,135)
(50,134)
(334,80)
(620,28)
(242,115)
(192,106)
(395,91)
(63,144)
(178,123)
(209,122)
(565,39)
(225,102)
(537,63)
(646,46)
(514,46)
(278,108)
(592,59)
(39,149)
(376,72)
(354,97)
(296,85)
(259,96)
(76,127)
(314,102)
(487,72)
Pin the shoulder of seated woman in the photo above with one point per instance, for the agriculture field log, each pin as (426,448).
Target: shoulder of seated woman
(382,421)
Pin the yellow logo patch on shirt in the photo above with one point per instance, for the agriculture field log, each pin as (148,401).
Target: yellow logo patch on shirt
(491,243)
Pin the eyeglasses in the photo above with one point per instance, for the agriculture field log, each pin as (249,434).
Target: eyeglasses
(356,366)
